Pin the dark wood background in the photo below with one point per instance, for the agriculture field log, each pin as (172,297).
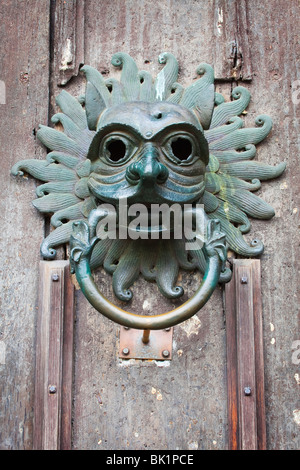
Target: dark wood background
(143,405)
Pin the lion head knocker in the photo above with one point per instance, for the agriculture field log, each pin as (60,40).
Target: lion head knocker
(151,143)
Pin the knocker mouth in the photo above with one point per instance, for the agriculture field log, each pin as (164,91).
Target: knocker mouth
(168,193)
(151,221)
(146,211)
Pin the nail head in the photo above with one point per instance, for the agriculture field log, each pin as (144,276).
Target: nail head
(52,389)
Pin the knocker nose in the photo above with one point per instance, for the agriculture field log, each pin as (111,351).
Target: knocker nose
(148,170)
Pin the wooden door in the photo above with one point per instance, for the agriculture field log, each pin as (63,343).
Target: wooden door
(137,405)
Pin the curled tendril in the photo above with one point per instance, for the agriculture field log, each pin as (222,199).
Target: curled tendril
(256,184)
(163,57)
(236,95)
(256,242)
(203,69)
(238,91)
(117,60)
(260,121)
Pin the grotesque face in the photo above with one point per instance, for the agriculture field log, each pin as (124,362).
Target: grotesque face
(142,141)
(148,153)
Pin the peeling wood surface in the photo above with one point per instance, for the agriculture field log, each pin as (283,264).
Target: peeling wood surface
(184,401)
(232,58)
(68,39)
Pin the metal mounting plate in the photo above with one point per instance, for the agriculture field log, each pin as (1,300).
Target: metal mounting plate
(159,346)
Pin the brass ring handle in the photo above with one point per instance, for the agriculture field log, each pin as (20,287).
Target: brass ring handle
(81,248)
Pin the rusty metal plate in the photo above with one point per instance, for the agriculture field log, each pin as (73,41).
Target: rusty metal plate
(159,345)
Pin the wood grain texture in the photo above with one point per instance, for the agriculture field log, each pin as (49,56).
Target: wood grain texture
(110,395)
(68,40)
(54,358)
(187,29)
(274,41)
(24,68)
(232,59)
(245,364)
(231,364)
(216,29)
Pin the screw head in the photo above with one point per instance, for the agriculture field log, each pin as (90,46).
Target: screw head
(244,280)
(55,277)
(165,353)
(247,391)
(125,351)
(52,389)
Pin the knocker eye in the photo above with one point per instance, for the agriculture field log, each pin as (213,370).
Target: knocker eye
(181,149)
(117,149)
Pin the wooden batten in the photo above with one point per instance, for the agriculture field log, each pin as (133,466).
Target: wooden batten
(245,363)
(54,358)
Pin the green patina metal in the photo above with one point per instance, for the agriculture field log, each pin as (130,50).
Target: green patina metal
(151,142)
(82,243)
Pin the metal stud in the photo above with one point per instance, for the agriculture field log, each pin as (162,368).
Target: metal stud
(52,389)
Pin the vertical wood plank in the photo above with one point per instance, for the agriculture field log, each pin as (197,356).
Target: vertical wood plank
(259,356)
(243,52)
(232,52)
(52,424)
(231,345)
(245,365)
(67,361)
(24,70)
(68,40)
(53,377)
(245,357)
